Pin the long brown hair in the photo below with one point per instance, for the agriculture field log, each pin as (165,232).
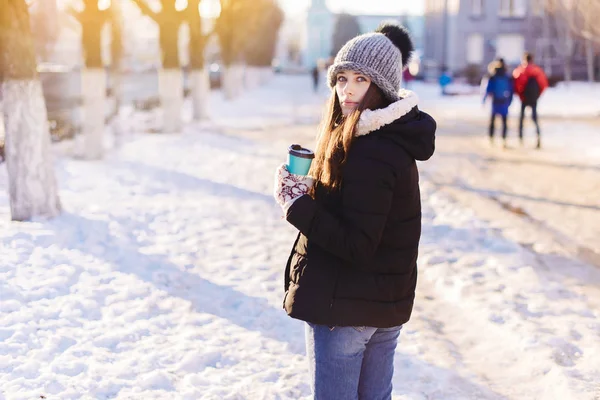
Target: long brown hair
(336,135)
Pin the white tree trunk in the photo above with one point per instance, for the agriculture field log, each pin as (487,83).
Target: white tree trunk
(240,71)
(252,77)
(32,184)
(90,143)
(116,123)
(229,82)
(200,84)
(170,86)
(589,52)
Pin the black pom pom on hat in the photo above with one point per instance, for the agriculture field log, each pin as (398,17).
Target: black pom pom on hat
(400,38)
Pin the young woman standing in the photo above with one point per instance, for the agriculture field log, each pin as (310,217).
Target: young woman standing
(352,271)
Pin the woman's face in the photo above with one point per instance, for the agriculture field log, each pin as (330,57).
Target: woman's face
(351,88)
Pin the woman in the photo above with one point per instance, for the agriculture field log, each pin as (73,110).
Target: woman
(352,271)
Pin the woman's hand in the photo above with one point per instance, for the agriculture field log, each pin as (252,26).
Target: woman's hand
(289,187)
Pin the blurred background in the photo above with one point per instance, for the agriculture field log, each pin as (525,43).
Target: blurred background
(137,39)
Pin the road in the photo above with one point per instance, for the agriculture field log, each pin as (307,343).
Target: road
(553,192)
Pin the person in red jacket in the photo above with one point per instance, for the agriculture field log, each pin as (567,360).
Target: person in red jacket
(530,83)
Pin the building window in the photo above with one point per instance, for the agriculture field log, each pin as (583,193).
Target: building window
(510,47)
(512,8)
(475,48)
(476,8)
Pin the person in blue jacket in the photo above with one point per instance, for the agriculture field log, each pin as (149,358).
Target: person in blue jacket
(444,80)
(501,89)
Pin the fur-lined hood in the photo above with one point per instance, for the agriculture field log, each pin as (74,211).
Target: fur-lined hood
(403,123)
(371,120)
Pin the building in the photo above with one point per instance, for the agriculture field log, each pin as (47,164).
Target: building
(319,33)
(465,35)
(320,22)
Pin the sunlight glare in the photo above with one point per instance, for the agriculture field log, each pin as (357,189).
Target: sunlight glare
(103,4)
(181,5)
(210,9)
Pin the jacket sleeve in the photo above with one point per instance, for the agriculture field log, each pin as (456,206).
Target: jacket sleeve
(366,199)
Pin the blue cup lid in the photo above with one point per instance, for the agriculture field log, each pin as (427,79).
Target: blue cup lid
(298,151)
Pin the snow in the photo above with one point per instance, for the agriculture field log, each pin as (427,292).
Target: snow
(574,99)
(163,277)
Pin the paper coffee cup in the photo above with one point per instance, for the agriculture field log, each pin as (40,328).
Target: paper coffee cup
(299,159)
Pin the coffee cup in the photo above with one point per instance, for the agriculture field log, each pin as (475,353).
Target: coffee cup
(299,159)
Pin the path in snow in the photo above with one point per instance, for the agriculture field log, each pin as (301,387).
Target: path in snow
(555,189)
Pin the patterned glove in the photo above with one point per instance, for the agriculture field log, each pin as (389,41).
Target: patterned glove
(289,187)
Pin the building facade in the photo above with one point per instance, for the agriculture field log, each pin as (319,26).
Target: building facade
(319,33)
(468,34)
(320,22)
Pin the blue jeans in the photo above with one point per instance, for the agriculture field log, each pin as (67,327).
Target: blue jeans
(351,362)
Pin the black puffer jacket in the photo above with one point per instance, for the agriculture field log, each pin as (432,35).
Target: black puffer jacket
(354,262)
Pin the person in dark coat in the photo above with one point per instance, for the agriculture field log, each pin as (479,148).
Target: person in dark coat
(500,89)
(352,271)
(315,78)
(530,82)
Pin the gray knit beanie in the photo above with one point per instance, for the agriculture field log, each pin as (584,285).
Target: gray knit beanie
(380,55)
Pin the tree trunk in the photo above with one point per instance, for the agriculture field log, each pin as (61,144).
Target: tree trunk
(90,143)
(547,54)
(200,84)
(240,72)
(252,77)
(170,86)
(568,57)
(589,53)
(199,78)
(32,186)
(117,91)
(228,82)
(31,181)
(116,75)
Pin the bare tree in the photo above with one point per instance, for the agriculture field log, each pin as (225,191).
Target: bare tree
(576,20)
(561,14)
(262,44)
(244,29)
(588,12)
(116,73)
(93,79)
(33,190)
(198,72)
(169,19)
(231,28)
(589,30)
(44,27)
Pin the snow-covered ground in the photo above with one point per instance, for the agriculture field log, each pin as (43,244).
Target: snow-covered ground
(163,279)
(566,100)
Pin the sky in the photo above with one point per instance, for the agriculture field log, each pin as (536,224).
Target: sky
(359,6)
